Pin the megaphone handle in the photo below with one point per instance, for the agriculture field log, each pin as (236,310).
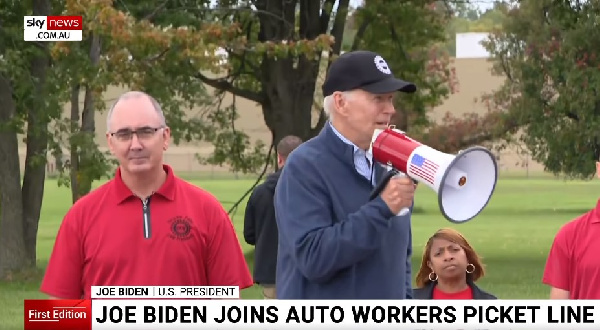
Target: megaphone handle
(387,176)
(381,185)
(405,210)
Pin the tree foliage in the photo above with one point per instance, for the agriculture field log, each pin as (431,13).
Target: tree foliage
(119,50)
(150,46)
(408,35)
(548,53)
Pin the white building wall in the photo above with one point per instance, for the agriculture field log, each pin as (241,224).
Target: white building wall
(468,45)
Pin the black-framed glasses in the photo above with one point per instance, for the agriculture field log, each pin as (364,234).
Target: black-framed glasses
(143,133)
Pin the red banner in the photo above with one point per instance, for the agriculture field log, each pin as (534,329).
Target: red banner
(56,314)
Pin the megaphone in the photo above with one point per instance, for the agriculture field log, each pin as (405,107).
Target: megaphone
(464,182)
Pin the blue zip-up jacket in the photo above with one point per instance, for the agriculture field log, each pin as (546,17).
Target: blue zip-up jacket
(333,242)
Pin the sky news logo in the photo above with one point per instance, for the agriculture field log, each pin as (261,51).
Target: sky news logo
(53,28)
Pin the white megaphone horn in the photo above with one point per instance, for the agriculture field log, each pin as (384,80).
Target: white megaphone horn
(464,182)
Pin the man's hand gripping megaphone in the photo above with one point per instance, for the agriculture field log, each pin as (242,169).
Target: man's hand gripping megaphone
(397,190)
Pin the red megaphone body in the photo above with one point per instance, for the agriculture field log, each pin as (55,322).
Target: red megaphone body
(464,182)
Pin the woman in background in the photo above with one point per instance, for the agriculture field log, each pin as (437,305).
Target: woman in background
(449,269)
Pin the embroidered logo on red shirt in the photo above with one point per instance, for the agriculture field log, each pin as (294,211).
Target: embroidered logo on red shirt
(181,228)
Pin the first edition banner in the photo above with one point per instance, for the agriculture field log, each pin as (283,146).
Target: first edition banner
(57,314)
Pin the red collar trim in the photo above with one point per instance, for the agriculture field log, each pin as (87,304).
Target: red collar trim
(167,190)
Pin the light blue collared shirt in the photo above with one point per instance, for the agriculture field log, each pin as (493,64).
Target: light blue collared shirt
(363,167)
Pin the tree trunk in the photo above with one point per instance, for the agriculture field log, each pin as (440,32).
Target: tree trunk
(37,143)
(88,122)
(87,132)
(288,84)
(81,153)
(289,101)
(73,145)
(13,252)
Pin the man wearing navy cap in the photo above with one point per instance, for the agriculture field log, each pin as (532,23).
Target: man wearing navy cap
(334,243)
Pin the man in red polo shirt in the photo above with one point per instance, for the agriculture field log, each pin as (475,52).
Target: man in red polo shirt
(573,267)
(145,226)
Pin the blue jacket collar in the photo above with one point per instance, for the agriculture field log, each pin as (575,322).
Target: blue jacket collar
(342,150)
(336,146)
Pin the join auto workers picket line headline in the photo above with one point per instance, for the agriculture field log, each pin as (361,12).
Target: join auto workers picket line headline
(186,307)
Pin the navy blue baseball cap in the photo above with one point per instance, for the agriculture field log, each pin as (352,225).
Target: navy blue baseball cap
(363,70)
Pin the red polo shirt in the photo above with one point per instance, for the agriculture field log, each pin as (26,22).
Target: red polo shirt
(181,236)
(573,263)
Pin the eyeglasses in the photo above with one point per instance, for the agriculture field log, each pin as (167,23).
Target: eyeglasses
(143,133)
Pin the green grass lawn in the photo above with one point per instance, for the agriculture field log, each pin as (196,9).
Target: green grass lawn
(513,234)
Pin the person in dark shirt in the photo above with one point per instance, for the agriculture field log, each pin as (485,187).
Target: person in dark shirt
(260,226)
(334,241)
